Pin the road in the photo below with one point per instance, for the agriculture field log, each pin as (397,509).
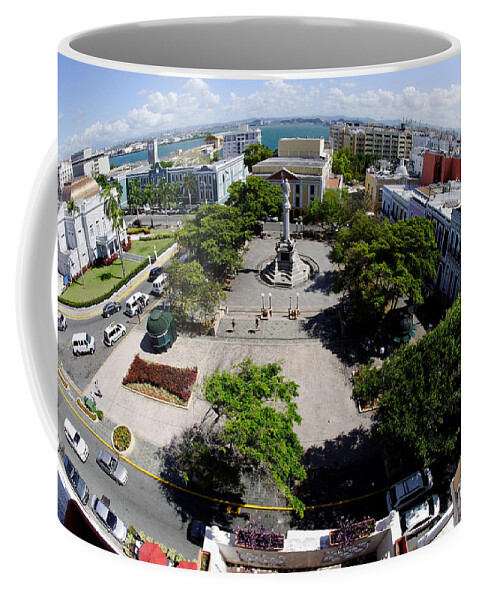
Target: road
(83,368)
(141,502)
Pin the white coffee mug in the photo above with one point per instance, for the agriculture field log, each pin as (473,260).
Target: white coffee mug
(133,370)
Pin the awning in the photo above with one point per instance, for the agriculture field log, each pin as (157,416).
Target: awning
(152,553)
(184,564)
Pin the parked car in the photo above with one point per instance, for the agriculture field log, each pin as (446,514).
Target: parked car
(111,308)
(108,519)
(83,343)
(112,466)
(154,273)
(136,303)
(80,487)
(404,493)
(75,440)
(420,516)
(113,332)
(196,532)
(62,322)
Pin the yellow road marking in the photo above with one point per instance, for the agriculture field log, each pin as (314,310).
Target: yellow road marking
(238,505)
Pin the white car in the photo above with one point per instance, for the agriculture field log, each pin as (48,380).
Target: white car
(108,519)
(136,303)
(420,516)
(83,343)
(76,441)
(408,490)
(113,332)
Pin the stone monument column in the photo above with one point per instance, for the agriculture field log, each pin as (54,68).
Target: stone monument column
(286,208)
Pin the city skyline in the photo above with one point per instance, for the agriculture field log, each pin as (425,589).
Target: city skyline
(100,107)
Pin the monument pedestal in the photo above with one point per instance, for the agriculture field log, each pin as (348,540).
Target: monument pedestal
(287,269)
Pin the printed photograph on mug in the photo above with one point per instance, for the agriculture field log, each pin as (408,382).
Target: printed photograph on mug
(257,284)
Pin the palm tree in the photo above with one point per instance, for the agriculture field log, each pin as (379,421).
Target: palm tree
(136,193)
(115,215)
(189,185)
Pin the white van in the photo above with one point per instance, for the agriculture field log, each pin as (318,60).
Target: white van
(113,332)
(83,343)
(135,303)
(76,442)
(159,284)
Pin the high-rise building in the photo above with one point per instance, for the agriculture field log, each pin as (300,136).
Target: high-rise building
(235,142)
(153,151)
(388,142)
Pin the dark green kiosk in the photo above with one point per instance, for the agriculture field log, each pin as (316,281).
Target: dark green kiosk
(161,330)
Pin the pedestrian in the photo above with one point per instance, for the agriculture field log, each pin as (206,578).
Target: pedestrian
(226,310)
(233,324)
(257,323)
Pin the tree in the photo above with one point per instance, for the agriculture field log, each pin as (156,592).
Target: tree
(215,237)
(419,390)
(190,292)
(255,153)
(379,263)
(135,195)
(256,198)
(328,212)
(189,185)
(352,166)
(112,210)
(259,413)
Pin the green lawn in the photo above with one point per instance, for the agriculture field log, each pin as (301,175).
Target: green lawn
(146,247)
(95,285)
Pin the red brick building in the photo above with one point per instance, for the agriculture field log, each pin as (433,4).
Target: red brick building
(438,168)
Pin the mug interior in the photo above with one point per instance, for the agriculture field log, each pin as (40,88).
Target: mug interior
(263,44)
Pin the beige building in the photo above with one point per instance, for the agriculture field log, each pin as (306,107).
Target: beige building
(303,163)
(388,142)
(305,147)
(376,179)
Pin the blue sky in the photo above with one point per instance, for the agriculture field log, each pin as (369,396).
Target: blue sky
(98,107)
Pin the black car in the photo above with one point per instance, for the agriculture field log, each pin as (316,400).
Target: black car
(154,273)
(77,482)
(111,308)
(196,532)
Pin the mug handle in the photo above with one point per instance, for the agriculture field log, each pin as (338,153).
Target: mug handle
(34,294)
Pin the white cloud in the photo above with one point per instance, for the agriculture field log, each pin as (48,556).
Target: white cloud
(196,104)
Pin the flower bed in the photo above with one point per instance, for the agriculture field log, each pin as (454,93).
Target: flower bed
(257,538)
(121,438)
(167,383)
(350,531)
(88,412)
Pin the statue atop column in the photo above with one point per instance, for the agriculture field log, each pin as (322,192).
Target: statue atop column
(287,269)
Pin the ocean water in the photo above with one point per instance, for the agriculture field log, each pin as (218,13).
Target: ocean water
(163,152)
(270,134)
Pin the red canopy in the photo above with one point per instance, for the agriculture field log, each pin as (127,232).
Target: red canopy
(184,564)
(152,553)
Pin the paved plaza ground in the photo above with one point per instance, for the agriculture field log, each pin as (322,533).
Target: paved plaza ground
(324,401)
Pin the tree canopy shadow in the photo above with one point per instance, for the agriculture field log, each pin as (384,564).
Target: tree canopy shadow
(321,282)
(326,326)
(346,478)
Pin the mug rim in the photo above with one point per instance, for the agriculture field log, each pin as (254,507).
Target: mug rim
(66,49)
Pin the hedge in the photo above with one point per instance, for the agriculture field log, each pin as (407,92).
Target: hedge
(108,294)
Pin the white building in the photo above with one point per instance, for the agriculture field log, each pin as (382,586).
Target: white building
(153,151)
(89,164)
(212,181)
(235,142)
(65,173)
(84,233)
(441,204)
